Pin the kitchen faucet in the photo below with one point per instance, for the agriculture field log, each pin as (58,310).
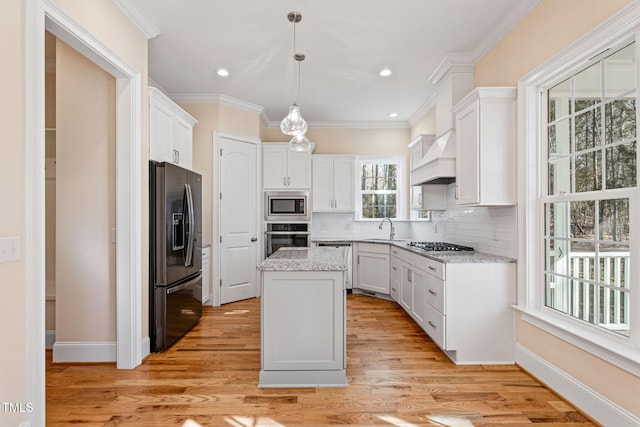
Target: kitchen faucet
(392,233)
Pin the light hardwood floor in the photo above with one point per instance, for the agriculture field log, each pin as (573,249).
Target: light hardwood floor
(397,377)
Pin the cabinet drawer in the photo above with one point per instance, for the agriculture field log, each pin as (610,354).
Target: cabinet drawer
(434,325)
(395,268)
(434,292)
(394,289)
(376,248)
(434,267)
(429,265)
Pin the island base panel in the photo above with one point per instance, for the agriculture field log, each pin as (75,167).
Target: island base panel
(300,379)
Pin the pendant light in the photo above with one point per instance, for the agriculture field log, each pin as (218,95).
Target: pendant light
(299,142)
(293,124)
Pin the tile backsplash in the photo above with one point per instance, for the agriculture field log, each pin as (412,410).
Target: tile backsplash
(487,229)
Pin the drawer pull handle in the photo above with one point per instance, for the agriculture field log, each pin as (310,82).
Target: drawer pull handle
(433,292)
(432,268)
(394,289)
(431,324)
(395,268)
(395,252)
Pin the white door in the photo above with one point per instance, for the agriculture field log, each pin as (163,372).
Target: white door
(238,221)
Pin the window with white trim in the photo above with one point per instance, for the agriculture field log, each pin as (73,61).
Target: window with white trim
(574,191)
(381,187)
(590,169)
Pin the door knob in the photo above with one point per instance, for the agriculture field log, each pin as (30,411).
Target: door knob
(254,239)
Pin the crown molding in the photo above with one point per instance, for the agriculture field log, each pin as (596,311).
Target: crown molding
(217,98)
(139,19)
(506,24)
(423,110)
(457,62)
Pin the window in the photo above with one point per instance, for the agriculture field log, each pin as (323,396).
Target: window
(591,172)
(578,206)
(380,187)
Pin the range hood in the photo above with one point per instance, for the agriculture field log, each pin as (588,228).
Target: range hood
(454,80)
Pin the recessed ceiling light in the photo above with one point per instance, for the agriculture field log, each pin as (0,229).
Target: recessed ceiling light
(385,72)
(393,115)
(222,72)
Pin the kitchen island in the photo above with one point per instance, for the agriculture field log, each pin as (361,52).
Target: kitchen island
(303,341)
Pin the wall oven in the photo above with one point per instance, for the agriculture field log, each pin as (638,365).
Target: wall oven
(286,206)
(279,235)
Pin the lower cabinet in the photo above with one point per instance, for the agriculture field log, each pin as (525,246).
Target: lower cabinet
(303,331)
(464,307)
(206,276)
(372,267)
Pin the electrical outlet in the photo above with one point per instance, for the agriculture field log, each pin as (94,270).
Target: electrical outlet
(10,249)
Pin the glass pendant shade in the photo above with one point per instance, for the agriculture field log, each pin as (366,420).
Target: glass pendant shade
(293,124)
(299,142)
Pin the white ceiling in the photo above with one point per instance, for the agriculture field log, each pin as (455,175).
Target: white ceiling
(346,43)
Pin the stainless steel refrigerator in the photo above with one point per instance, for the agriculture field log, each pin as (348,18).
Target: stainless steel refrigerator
(175,264)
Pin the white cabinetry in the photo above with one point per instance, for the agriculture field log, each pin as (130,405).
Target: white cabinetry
(206,276)
(418,148)
(464,307)
(485,147)
(372,267)
(429,197)
(170,131)
(303,329)
(283,169)
(412,281)
(333,183)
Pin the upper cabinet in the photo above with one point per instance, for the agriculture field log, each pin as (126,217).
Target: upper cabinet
(429,197)
(485,123)
(333,183)
(283,169)
(418,148)
(170,131)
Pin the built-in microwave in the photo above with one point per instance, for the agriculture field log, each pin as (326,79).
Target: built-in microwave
(286,206)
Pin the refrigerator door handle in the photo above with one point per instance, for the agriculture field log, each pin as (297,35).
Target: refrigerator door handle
(182,286)
(191,231)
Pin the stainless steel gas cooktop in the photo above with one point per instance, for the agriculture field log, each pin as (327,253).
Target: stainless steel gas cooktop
(439,246)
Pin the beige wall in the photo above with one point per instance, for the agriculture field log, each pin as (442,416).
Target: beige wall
(426,125)
(551,27)
(219,118)
(350,141)
(85,200)
(13,333)
(105,21)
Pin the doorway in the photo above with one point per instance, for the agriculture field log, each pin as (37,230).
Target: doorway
(39,16)
(238,228)
(80,174)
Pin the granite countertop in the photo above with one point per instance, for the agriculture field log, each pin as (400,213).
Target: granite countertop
(305,259)
(442,256)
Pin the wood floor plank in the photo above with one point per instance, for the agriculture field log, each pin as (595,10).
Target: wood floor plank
(397,376)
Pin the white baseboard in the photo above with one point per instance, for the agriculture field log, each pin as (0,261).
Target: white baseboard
(586,399)
(84,351)
(49,339)
(145,347)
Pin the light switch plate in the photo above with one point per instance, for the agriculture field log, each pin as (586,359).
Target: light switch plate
(10,249)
